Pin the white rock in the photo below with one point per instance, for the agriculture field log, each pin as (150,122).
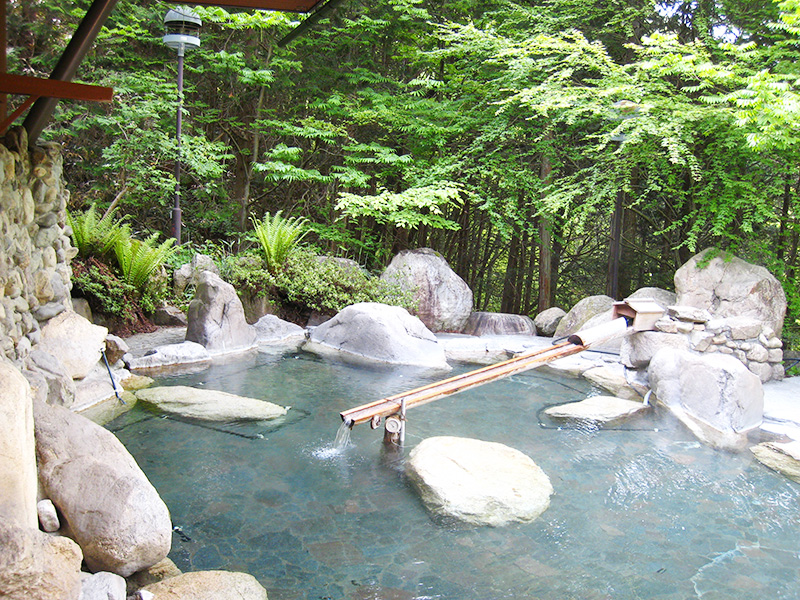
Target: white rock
(477,482)
(17,448)
(103,586)
(48,517)
(377,333)
(208,585)
(604,410)
(75,341)
(106,502)
(209,405)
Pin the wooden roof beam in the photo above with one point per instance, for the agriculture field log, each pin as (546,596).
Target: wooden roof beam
(53,88)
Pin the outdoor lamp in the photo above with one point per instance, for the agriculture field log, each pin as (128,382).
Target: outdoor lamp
(183,31)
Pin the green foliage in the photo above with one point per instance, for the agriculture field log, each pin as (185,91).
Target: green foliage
(278,236)
(408,209)
(95,236)
(324,285)
(139,259)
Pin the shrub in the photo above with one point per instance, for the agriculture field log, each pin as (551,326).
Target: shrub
(93,236)
(278,236)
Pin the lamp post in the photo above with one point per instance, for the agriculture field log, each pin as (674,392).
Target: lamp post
(182,31)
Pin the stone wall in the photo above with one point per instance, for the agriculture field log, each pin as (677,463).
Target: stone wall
(35,250)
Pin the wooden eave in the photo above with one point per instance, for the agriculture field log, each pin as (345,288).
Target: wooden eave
(43,94)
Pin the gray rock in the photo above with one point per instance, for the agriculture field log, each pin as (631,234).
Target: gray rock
(81,306)
(189,273)
(727,286)
(48,517)
(742,328)
(372,332)
(216,318)
(116,348)
(169,316)
(75,341)
(17,449)
(171,354)
(103,586)
(602,410)
(612,378)
(582,312)
(781,457)
(106,503)
(689,314)
(477,482)
(660,296)
(37,566)
(271,329)
(713,394)
(208,585)
(209,405)
(547,321)
(638,349)
(490,323)
(444,300)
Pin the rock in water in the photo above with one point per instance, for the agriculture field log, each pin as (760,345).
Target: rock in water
(713,394)
(107,504)
(208,585)
(605,410)
(782,457)
(477,482)
(490,323)
(209,405)
(377,333)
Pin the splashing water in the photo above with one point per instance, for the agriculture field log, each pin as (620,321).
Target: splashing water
(342,439)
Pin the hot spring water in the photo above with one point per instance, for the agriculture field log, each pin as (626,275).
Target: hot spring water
(639,512)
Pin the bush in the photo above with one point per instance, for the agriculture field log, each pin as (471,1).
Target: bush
(310,283)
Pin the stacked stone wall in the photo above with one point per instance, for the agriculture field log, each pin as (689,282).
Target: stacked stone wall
(35,247)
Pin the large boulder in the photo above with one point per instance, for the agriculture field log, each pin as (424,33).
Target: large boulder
(106,503)
(216,318)
(591,308)
(727,286)
(378,333)
(547,321)
(17,449)
(491,323)
(76,342)
(478,482)
(208,585)
(37,566)
(444,300)
(660,296)
(715,395)
(209,405)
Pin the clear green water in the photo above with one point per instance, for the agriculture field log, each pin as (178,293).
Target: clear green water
(641,512)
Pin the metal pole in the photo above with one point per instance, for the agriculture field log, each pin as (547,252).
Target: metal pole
(176,209)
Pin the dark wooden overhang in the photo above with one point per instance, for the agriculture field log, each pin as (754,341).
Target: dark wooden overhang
(43,94)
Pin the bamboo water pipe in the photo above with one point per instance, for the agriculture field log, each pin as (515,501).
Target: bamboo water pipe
(391,405)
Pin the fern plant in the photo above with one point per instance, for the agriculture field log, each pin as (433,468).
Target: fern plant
(278,236)
(96,236)
(139,259)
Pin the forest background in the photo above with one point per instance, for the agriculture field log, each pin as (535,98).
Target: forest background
(548,149)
